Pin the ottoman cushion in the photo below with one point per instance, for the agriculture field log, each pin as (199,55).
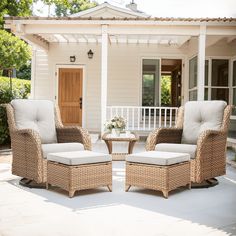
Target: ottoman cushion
(78,157)
(158,158)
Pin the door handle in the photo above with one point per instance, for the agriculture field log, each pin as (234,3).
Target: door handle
(80,102)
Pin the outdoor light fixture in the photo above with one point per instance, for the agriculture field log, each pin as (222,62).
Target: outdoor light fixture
(90,54)
(72,58)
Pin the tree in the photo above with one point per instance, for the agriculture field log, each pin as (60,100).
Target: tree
(68,7)
(165,90)
(15,8)
(14,53)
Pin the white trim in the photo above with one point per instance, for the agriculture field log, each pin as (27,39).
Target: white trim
(201,63)
(104,73)
(75,66)
(33,68)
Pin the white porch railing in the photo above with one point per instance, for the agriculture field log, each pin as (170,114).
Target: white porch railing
(144,118)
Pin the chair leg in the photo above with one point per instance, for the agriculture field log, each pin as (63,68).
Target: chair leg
(165,193)
(127,187)
(109,187)
(189,186)
(71,193)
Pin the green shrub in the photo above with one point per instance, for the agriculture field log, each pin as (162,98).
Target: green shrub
(20,89)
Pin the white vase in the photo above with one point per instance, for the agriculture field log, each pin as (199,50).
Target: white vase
(116,132)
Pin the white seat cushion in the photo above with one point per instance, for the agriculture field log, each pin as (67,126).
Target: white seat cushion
(37,115)
(200,116)
(175,147)
(78,158)
(61,147)
(158,158)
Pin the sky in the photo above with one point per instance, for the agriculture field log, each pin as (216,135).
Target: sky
(177,8)
(183,8)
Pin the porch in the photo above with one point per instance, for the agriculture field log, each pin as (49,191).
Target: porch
(127,46)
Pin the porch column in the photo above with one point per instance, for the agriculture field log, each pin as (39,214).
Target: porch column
(201,63)
(104,55)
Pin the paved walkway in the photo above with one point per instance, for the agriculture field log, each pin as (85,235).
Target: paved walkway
(98,212)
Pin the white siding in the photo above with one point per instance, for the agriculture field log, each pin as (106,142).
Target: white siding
(40,74)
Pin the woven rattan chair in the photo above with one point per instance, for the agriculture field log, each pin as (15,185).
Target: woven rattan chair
(31,142)
(201,130)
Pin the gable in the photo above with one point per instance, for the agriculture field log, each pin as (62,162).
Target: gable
(108,13)
(106,10)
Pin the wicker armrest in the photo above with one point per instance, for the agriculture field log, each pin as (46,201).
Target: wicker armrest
(27,154)
(210,141)
(74,134)
(163,135)
(32,136)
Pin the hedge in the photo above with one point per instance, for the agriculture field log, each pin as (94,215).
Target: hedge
(20,89)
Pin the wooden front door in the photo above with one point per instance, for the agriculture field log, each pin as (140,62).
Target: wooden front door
(70,84)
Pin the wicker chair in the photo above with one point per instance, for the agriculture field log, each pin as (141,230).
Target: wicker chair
(208,148)
(29,158)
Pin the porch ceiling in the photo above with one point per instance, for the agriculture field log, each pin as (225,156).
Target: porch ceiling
(129,39)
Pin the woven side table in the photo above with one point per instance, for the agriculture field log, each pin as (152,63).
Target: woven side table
(132,138)
(79,170)
(163,171)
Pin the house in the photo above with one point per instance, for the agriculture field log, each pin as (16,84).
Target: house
(110,60)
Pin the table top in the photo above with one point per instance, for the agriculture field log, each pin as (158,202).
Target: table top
(123,137)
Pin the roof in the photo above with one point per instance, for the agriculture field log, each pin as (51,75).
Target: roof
(106,11)
(167,19)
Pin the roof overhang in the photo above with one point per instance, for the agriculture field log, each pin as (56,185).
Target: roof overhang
(42,31)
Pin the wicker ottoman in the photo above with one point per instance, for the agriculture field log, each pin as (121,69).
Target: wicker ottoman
(163,171)
(79,170)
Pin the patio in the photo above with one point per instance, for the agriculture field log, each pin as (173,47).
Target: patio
(98,212)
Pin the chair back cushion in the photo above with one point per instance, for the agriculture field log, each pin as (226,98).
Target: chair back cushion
(37,115)
(200,116)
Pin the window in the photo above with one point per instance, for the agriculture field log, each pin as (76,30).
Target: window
(193,79)
(150,84)
(148,89)
(217,86)
(234,87)
(220,80)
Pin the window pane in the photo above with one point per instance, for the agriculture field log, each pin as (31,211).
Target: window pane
(232,129)
(193,72)
(220,69)
(234,74)
(206,94)
(206,72)
(234,101)
(165,90)
(193,95)
(148,90)
(220,94)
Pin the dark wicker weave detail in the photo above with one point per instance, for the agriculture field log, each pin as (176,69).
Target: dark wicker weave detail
(73,178)
(74,134)
(28,161)
(162,178)
(210,160)
(163,135)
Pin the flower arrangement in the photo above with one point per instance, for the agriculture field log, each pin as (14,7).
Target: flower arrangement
(116,122)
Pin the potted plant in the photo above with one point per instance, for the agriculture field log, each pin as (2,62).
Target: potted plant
(116,125)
